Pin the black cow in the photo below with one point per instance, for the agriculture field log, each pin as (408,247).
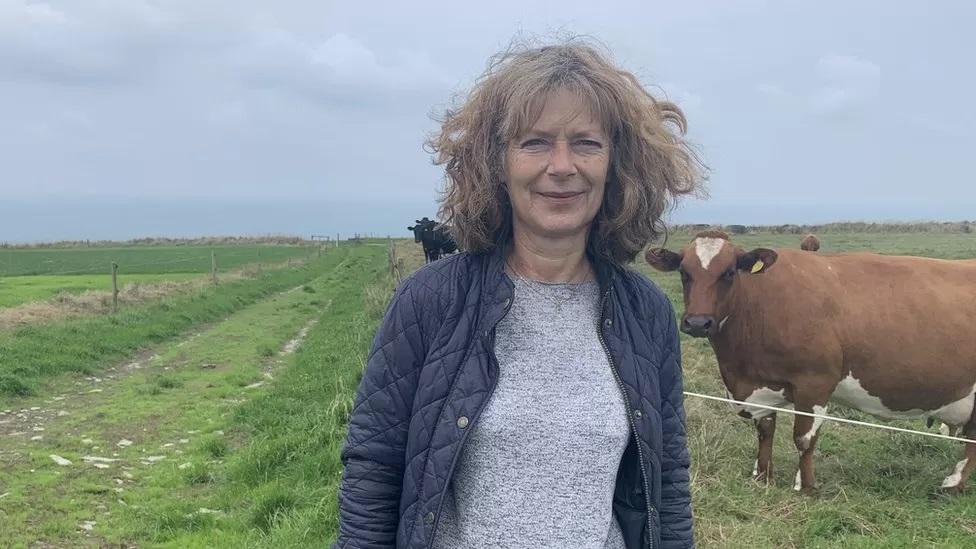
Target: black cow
(434,237)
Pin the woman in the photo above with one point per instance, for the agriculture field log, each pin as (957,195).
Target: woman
(527,393)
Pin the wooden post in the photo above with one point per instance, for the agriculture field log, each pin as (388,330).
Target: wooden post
(394,262)
(337,240)
(115,287)
(213,265)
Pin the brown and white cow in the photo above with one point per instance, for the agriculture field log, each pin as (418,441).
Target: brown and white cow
(891,336)
(810,243)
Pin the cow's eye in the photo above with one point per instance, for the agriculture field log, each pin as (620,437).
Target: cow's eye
(729,274)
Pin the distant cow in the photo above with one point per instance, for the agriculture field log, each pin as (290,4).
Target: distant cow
(887,335)
(435,238)
(810,243)
(418,229)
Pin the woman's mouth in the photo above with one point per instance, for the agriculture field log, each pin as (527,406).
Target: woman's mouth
(564,197)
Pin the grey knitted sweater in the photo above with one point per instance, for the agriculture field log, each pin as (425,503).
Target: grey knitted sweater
(538,472)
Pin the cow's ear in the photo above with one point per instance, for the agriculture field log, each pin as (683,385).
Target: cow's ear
(410,228)
(663,259)
(756,261)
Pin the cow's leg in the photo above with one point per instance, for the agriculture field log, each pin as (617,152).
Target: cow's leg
(956,482)
(949,430)
(765,428)
(805,432)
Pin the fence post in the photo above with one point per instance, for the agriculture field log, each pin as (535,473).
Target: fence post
(394,262)
(213,265)
(115,287)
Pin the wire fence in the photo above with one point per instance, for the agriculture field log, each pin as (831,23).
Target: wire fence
(203,260)
(235,260)
(830,418)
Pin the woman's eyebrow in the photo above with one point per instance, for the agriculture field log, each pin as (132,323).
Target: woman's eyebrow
(587,132)
(592,132)
(535,132)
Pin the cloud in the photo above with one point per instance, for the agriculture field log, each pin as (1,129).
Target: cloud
(330,100)
(230,113)
(849,84)
(842,85)
(105,41)
(338,69)
(771,90)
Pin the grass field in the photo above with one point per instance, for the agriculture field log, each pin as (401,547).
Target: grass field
(16,290)
(225,439)
(140,259)
(31,353)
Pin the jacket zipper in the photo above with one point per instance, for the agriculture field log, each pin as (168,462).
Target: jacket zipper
(474,418)
(630,417)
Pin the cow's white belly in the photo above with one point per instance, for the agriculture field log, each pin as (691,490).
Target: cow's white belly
(766,397)
(849,392)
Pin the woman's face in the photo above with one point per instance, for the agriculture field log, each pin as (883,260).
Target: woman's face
(556,172)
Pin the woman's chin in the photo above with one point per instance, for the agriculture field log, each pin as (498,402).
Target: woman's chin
(559,229)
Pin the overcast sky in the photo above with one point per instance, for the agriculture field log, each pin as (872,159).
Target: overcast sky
(122,118)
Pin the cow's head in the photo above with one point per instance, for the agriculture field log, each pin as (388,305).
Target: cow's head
(423,224)
(417,230)
(710,268)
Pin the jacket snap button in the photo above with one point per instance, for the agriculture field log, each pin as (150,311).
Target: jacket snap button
(429,519)
(609,322)
(462,422)
(637,413)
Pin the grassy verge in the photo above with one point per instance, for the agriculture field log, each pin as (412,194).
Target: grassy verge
(141,259)
(17,290)
(160,429)
(278,487)
(33,353)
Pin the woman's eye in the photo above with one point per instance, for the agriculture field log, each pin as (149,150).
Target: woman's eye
(534,144)
(587,146)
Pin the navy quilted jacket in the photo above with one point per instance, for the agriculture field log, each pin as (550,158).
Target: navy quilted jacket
(432,369)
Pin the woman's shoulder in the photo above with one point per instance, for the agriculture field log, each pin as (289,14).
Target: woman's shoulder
(440,278)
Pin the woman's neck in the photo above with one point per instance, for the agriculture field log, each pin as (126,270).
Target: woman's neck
(550,261)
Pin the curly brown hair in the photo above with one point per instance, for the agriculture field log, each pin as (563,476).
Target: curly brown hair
(651,163)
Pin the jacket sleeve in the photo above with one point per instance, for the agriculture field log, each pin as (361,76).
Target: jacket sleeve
(373,454)
(675,511)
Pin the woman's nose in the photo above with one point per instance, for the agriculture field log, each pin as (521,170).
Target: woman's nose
(561,162)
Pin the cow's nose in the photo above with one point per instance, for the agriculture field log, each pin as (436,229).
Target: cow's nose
(698,325)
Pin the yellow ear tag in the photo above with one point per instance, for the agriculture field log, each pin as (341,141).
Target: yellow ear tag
(757,266)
